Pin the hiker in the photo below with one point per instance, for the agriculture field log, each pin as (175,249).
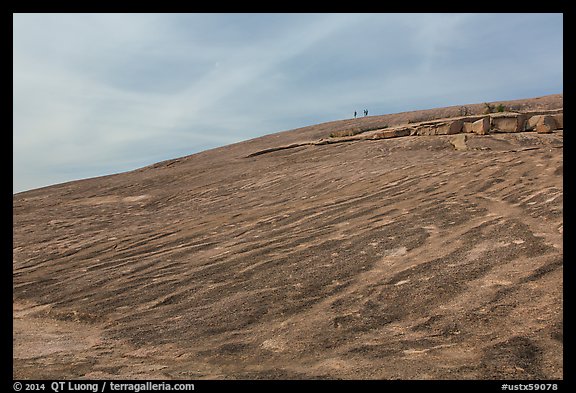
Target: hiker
(365,112)
(354,114)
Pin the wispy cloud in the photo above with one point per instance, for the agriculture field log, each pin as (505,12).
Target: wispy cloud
(102,93)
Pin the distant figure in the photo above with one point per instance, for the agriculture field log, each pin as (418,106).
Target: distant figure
(354,114)
(365,112)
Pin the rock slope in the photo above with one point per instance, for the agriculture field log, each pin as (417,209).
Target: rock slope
(402,258)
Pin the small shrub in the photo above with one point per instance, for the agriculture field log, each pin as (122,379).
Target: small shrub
(488,108)
(500,108)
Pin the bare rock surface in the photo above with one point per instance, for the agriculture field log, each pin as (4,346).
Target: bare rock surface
(403,258)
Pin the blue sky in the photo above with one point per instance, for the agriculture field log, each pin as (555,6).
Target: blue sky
(96,94)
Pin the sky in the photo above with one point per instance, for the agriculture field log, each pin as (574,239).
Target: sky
(97,94)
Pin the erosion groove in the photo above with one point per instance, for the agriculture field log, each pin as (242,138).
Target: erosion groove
(384,258)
